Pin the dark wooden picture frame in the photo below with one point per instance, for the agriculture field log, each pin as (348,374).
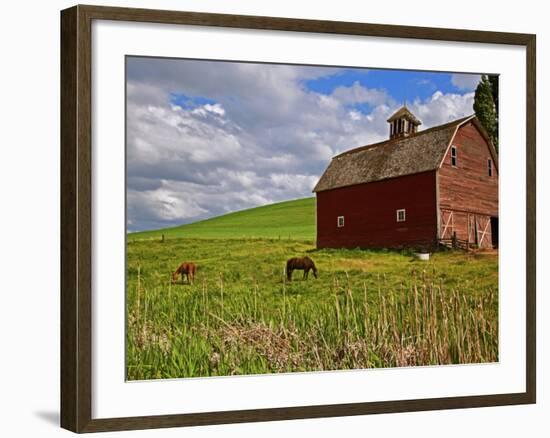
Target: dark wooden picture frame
(76,218)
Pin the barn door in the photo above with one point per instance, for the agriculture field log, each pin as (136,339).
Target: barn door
(472,234)
(479,230)
(446,225)
(484,231)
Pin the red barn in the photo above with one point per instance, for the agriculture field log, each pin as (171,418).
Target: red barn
(418,189)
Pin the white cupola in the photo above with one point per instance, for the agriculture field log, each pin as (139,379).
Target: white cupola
(403,123)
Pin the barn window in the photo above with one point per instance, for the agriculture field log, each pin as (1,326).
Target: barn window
(453,156)
(401,215)
(490,167)
(340,221)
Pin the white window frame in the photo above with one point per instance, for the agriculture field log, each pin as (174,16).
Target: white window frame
(398,211)
(338,222)
(454,156)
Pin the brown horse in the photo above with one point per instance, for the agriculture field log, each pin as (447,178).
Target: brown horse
(186,268)
(303,263)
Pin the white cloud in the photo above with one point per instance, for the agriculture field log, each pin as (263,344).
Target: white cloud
(441,108)
(293,183)
(208,108)
(465,81)
(359,94)
(164,204)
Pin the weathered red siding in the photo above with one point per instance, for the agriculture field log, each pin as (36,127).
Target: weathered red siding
(369,212)
(468,196)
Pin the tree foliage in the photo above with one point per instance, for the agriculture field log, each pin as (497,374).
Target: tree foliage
(493,79)
(485,107)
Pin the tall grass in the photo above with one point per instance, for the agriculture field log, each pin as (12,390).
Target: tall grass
(264,326)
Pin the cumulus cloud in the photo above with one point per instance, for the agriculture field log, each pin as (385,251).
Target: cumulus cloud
(465,81)
(206,138)
(441,108)
(360,94)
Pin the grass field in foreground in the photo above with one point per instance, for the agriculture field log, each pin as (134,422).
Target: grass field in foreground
(366,309)
(285,220)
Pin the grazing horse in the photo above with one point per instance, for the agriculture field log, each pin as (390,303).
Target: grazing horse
(300,263)
(186,268)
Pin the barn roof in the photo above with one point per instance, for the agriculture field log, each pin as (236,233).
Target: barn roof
(404,112)
(419,152)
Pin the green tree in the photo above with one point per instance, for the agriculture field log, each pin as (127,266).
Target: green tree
(493,79)
(486,109)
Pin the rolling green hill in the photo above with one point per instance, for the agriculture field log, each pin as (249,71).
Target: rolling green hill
(289,219)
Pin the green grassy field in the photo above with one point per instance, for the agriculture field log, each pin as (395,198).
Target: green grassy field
(290,219)
(366,309)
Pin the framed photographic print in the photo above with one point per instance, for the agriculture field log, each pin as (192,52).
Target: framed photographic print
(268,218)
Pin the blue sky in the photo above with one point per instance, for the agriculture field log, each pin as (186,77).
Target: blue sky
(189,102)
(208,137)
(401,84)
